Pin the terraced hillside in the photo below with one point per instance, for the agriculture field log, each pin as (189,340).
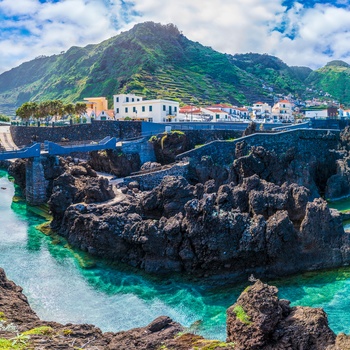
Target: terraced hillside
(156,61)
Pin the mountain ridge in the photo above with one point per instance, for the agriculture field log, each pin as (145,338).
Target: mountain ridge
(158,61)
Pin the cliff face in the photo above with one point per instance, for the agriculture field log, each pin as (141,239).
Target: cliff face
(258,320)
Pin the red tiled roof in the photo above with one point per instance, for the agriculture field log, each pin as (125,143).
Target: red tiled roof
(189,110)
(186,109)
(283,101)
(215,110)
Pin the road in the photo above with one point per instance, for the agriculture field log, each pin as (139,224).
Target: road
(6,139)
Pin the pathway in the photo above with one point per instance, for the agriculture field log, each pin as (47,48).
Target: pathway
(6,139)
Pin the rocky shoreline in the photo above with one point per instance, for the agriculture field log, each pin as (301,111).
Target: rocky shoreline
(262,214)
(258,320)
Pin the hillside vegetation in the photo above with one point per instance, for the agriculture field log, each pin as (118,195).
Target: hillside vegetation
(155,61)
(334,78)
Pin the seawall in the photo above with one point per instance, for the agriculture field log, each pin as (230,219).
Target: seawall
(304,140)
(97,130)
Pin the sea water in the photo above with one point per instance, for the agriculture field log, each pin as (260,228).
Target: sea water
(114,298)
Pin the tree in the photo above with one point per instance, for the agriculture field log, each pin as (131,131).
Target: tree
(80,108)
(27,110)
(69,108)
(56,107)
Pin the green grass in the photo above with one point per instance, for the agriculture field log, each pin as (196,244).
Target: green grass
(43,330)
(242,315)
(7,344)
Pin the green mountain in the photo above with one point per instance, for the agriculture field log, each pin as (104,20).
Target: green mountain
(274,72)
(155,61)
(334,79)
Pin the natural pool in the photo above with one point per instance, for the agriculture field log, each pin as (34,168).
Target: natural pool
(115,298)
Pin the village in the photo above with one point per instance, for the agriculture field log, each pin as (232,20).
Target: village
(284,110)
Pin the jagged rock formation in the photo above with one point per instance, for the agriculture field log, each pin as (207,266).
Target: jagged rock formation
(303,168)
(260,320)
(79,183)
(255,226)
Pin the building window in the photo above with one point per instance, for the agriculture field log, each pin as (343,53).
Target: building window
(143,108)
(150,120)
(126,109)
(217,116)
(138,100)
(164,107)
(175,109)
(150,108)
(134,109)
(132,100)
(127,99)
(117,99)
(117,111)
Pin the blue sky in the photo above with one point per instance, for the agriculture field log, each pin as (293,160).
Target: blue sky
(309,32)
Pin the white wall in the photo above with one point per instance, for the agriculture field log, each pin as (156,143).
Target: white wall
(316,114)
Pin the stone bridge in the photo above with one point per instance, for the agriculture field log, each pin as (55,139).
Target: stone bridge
(36,184)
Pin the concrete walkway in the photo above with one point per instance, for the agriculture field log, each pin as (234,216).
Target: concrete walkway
(6,139)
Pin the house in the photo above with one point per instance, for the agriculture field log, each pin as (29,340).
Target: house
(190,114)
(216,114)
(231,111)
(134,107)
(283,111)
(261,110)
(97,108)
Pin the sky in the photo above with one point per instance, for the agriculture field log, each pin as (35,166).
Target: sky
(305,33)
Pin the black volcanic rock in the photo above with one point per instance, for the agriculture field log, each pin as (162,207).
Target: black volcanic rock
(115,162)
(256,226)
(260,320)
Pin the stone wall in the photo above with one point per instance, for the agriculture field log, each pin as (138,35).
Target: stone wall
(96,131)
(314,141)
(141,147)
(36,184)
(150,180)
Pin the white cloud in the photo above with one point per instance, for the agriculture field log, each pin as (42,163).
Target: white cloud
(299,36)
(19,7)
(30,29)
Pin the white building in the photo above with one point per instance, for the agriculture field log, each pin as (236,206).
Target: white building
(320,113)
(216,114)
(135,107)
(261,110)
(283,111)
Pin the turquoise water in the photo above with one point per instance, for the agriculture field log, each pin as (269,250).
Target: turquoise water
(115,298)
